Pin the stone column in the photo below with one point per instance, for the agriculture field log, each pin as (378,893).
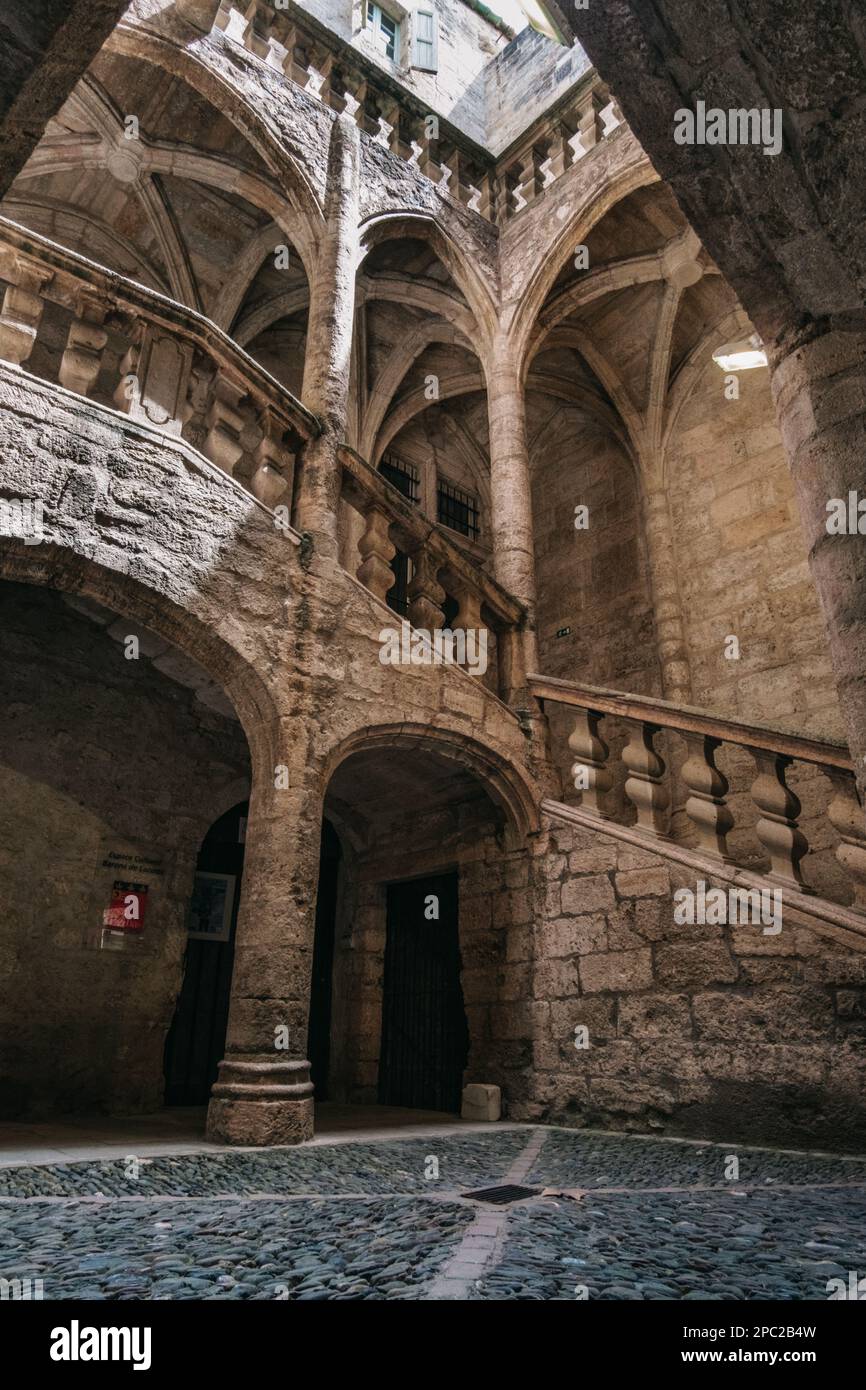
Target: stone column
(263,1094)
(820,393)
(667,605)
(510,489)
(327,369)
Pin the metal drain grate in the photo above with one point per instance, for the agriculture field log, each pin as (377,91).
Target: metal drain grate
(501,1196)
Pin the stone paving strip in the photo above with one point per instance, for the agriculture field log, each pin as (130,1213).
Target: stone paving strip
(621,1217)
(482,1242)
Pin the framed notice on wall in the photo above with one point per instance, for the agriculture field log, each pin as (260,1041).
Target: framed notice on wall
(127,894)
(210,913)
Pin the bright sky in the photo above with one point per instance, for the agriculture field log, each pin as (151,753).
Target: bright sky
(509,10)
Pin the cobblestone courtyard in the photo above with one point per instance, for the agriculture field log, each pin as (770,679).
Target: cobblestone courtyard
(617,1218)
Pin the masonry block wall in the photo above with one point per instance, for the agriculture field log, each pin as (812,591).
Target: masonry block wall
(719,1031)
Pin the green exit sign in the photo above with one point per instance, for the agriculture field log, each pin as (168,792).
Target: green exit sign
(563,632)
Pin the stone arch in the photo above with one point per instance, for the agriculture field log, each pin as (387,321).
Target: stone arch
(508,786)
(635,174)
(261,130)
(52,567)
(423,227)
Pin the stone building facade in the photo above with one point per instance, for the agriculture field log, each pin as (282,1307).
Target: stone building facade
(324,326)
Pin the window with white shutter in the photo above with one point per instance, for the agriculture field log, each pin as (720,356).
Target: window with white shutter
(425,44)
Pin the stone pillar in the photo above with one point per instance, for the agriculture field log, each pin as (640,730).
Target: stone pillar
(263,1094)
(327,369)
(819,389)
(511,490)
(670,633)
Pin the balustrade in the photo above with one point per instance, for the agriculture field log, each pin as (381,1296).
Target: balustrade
(439,567)
(342,79)
(772,751)
(161,364)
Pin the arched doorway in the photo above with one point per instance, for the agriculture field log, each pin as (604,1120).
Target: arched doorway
(196,1040)
(432,829)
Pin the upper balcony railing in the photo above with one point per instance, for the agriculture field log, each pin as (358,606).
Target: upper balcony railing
(339,76)
(648,786)
(131,349)
(389,528)
(108,338)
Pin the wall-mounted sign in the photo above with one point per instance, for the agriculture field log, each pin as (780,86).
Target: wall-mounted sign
(128,878)
(210,913)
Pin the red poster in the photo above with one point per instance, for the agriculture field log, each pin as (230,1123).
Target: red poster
(127,908)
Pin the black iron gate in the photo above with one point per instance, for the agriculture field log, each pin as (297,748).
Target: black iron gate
(196,1041)
(425,1038)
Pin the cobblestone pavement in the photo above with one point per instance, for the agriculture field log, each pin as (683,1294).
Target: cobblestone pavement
(618,1218)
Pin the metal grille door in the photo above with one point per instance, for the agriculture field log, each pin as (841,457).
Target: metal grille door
(425,1038)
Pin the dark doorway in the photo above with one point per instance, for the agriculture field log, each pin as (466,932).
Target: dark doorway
(321,987)
(196,1041)
(425,1037)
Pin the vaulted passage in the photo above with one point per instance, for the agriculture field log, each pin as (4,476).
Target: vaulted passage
(117,754)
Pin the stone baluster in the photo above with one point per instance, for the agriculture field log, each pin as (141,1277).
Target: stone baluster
(388,122)
(258,31)
(425,158)
(296,69)
(644,785)
(232,21)
(845,814)
(222,443)
(273,478)
(22,311)
(85,344)
(318,82)
(352,99)
(610,116)
(377,551)
(526,189)
(425,593)
(558,158)
(482,198)
(590,771)
(588,132)
(706,806)
(777,827)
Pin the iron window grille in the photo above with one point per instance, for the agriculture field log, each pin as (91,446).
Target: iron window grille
(402,475)
(457,509)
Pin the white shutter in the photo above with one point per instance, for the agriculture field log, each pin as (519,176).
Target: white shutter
(425,40)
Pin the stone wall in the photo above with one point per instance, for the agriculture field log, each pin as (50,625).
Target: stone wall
(467,44)
(99,751)
(718,1031)
(524,81)
(593,581)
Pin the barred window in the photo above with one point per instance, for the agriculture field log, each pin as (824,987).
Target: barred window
(402,475)
(457,509)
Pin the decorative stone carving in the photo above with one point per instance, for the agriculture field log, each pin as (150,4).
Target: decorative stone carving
(155,374)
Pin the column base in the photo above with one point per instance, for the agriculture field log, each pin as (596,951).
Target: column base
(261,1103)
